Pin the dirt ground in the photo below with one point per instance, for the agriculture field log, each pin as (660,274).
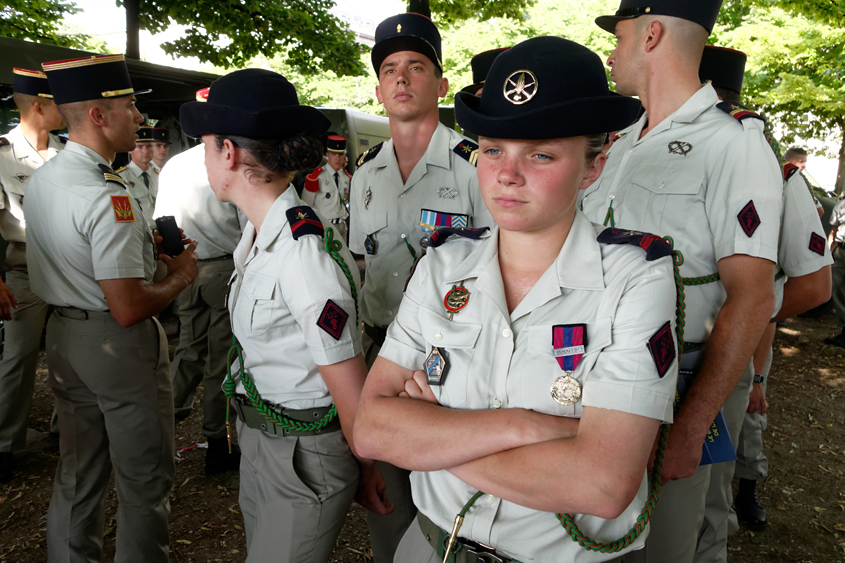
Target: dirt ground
(804,493)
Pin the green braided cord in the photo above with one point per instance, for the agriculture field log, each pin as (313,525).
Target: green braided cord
(333,247)
(767,132)
(470,502)
(575,533)
(410,249)
(229,386)
(609,216)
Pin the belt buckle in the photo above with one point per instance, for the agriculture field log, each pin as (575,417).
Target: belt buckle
(483,553)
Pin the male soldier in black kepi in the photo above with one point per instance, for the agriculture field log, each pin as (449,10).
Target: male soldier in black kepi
(161,147)
(701,172)
(421,179)
(22,150)
(92,257)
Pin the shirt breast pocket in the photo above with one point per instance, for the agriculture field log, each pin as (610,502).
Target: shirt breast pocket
(456,341)
(258,290)
(541,368)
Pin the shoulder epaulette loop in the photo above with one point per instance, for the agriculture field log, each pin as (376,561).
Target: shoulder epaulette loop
(347,173)
(111,176)
(303,221)
(468,151)
(369,155)
(119,170)
(440,236)
(63,140)
(312,182)
(737,111)
(789,170)
(4,142)
(654,246)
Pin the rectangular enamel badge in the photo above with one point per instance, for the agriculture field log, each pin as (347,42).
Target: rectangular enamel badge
(122,209)
(569,344)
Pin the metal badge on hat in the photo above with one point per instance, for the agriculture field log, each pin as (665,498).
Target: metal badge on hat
(456,299)
(569,344)
(520,87)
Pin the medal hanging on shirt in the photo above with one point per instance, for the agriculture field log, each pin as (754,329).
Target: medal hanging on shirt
(456,299)
(436,366)
(569,344)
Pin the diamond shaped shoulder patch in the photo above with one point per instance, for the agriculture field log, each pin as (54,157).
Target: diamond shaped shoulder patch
(662,348)
(817,244)
(749,220)
(333,319)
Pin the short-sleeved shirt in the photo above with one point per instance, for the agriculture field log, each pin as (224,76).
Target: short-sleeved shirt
(328,199)
(702,177)
(18,160)
(837,219)
(184,193)
(282,292)
(442,190)
(504,360)
(82,228)
(146,196)
(803,247)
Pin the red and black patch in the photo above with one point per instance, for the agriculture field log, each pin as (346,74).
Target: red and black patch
(662,348)
(817,244)
(468,151)
(655,247)
(4,142)
(333,319)
(737,111)
(749,220)
(789,170)
(303,221)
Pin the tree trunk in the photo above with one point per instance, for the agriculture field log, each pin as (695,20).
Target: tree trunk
(840,176)
(133,26)
(420,7)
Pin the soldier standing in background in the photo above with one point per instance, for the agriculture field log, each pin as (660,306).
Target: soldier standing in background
(141,176)
(327,187)
(22,151)
(161,147)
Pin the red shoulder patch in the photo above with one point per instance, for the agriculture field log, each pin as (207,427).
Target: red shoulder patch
(312,184)
(122,209)
(789,170)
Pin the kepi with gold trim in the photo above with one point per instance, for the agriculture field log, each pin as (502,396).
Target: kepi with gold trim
(30,82)
(99,77)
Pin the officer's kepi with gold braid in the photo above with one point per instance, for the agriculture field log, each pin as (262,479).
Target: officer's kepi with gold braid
(97,77)
(30,82)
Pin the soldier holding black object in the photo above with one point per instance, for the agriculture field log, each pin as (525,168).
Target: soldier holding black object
(92,257)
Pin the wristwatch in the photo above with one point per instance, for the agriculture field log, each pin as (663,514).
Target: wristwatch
(759,377)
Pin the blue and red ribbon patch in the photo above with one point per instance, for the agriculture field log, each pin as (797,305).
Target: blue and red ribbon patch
(569,344)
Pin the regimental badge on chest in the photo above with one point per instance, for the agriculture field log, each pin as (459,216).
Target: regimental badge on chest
(569,344)
(21,177)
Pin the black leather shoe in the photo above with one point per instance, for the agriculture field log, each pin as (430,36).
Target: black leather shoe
(7,466)
(218,459)
(838,340)
(749,509)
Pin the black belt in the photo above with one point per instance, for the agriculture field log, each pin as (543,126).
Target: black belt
(217,259)
(465,551)
(377,333)
(250,416)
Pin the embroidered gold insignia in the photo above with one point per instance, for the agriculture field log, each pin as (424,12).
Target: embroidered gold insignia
(122,209)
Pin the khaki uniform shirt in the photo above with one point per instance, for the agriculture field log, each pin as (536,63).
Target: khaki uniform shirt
(18,160)
(392,212)
(185,194)
(328,200)
(82,229)
(280,291)
(803,247)
(837,220)
(691,178)
(500,360)
(146,196)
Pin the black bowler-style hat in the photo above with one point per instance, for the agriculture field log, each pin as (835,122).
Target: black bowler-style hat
(100,77)
(545,88)
(723,67)
(407,32)
(702,12)
(253,103)
(161,135)
(481,64)
(30,82)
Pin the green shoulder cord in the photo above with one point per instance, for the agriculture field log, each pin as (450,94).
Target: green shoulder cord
(609,216)
(230,384)
(411,250)
(767,132)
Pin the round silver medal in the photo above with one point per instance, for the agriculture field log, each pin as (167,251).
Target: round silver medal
(566,390)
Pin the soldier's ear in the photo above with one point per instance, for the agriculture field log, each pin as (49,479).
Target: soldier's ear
(443,88)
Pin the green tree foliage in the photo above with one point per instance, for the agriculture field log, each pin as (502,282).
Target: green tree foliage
(449,12)
(794,75)
(39,20)
(228,33)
